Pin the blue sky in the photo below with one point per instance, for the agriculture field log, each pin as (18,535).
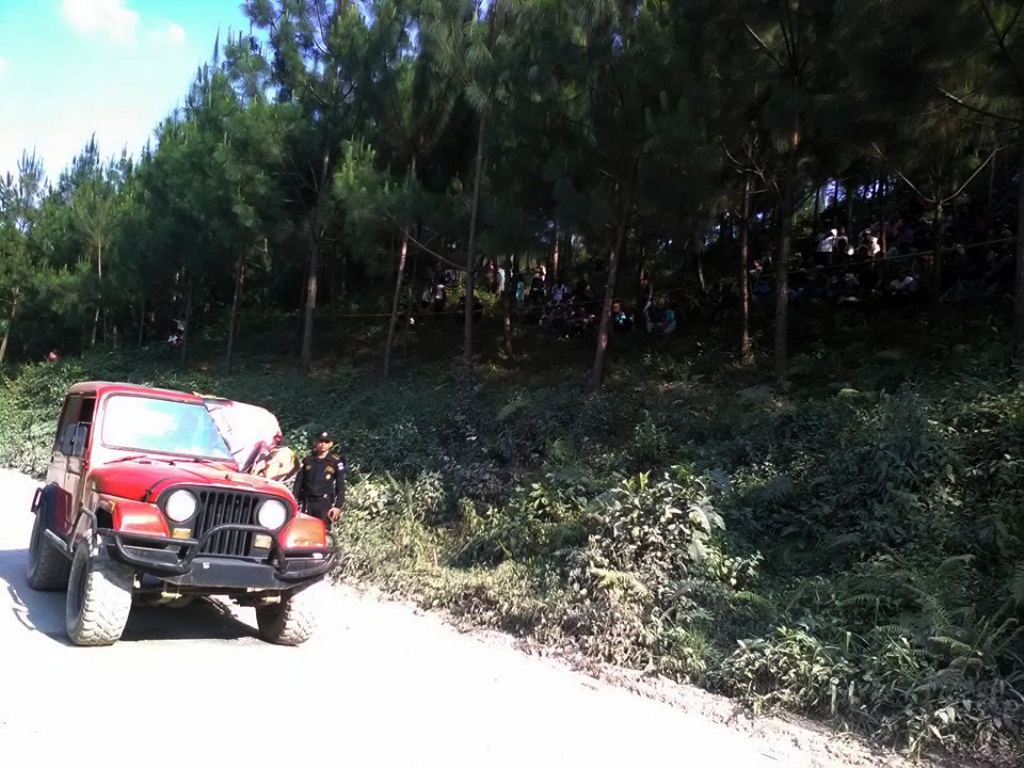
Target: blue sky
(114,68)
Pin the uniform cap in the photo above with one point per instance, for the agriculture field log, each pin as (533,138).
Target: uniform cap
(324,437)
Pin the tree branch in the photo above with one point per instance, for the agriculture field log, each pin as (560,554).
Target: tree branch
(429,251)
(899,173)
(977,110)
(764,48)
(1000,36)
(973,175)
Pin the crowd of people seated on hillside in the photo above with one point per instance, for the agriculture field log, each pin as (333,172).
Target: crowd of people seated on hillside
(559,310)
(893,261)
(888,261)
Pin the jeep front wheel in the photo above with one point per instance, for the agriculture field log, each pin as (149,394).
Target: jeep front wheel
(99,599)
(48,569)
(291,621)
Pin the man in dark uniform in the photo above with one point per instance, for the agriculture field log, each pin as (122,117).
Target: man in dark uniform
(320,484)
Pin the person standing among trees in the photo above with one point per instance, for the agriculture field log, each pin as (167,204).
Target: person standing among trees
(320,484)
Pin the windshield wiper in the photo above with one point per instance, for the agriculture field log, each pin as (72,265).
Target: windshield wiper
(133,457)
(137,456)
(206,460)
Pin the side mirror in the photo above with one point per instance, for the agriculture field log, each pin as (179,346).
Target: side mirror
(67,439)
(75,439)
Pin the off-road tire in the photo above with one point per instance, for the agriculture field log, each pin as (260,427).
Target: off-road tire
(291,621)
(99,599)
(48,569)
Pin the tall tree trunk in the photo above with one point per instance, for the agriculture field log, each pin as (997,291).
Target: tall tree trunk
(782,267)
(310,308)
(99,282)
(393,323)
(513,279)
(413,299)
(7,330)
(745,269)
(239,276)
(343,290)
(850,186)
(817,211)
(402,255)
(565,253)
(936,285)
(990,208)
(187,322)
(142,322)
(300,316)
(884,234)
(467,352)
(554,259)
(332,282)
(1018,299)
(507,297)
(597,375)
(315,245)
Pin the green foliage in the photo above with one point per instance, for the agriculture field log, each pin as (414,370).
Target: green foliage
(536,522)
(649,443)
(29,408)
(662,528)
(857,560)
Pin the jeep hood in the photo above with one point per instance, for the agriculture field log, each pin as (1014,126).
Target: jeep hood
(143,479)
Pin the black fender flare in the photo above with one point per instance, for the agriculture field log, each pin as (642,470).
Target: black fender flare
(45,503)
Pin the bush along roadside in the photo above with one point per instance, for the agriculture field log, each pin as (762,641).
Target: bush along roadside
(856,557)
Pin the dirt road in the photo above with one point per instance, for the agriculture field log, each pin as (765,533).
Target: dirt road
(380,684)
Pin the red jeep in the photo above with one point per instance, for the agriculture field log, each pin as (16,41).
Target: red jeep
(145,502)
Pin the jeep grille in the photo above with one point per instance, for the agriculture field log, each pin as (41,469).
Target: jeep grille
(225,508)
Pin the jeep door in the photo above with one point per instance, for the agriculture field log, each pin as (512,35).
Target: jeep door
(69,461)
(58,466)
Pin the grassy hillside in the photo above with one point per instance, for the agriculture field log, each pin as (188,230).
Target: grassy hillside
(852,551)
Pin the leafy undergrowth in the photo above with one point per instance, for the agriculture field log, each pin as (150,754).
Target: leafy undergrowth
(853,551)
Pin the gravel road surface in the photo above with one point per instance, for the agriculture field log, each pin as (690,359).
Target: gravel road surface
(380,684)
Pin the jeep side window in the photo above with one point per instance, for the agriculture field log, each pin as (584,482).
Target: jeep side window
(87,410)
(84,426)
(67,418)
(74,434)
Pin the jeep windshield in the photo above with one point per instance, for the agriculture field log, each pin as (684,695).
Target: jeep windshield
(143,424)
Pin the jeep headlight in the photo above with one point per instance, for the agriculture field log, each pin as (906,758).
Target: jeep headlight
(272,514)
(180,506)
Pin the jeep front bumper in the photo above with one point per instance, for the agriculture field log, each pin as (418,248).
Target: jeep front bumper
(183,562)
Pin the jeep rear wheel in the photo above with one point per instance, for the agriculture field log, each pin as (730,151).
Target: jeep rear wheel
(99,599)
(48,569)
(291,621)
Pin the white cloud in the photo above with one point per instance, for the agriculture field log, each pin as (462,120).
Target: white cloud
(3,66)
(104,17)
(165,35)
(167,32)
(176,33)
